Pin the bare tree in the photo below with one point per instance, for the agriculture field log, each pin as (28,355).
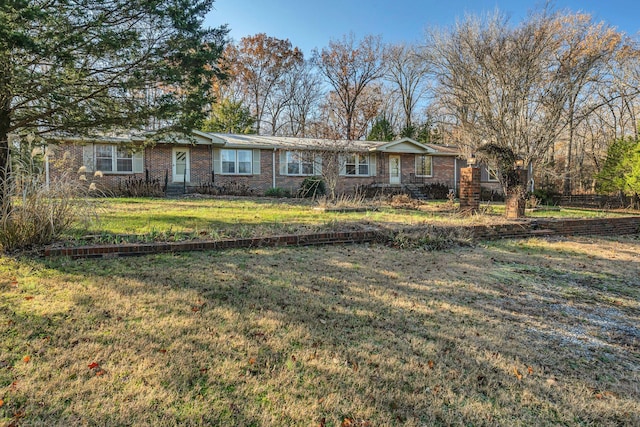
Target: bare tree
(501,86)
(350,68)
(306,86)
(584,51)
(408,73)
(357,124)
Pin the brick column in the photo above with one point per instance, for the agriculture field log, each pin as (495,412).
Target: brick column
(515,202)
(469,190)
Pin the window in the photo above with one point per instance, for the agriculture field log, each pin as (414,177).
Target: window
(300,163)
(236,161)
(492,175)
(111,158)
(357,164)
(424,166)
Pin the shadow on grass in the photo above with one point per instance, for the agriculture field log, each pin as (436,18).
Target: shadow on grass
(503,335)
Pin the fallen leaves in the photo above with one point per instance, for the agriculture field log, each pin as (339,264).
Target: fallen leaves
(95,367)
(517,374)
(350,422)
(26,359)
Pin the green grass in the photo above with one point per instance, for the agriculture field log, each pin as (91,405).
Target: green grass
(187,215)
(513,333)
(162,219)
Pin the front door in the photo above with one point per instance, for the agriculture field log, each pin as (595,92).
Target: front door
(181,165)
(394,169)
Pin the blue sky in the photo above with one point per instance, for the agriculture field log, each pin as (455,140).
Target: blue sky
(312,23)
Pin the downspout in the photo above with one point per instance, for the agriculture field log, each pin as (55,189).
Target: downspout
(273,168)
(455,175)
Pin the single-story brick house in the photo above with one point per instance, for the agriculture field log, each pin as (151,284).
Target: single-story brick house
(261,162)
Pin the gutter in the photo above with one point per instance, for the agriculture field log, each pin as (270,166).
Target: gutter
(273,168)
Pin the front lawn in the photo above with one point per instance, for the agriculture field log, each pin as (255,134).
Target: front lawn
(512,333)
(159,219)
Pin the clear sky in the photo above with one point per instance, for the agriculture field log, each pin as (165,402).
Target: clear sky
(312,24)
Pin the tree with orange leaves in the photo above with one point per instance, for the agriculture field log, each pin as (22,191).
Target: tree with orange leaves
(259,64)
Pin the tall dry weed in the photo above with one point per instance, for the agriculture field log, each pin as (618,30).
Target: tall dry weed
(34,212)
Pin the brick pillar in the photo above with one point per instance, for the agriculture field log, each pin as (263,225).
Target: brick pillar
(469,190)
(515,202)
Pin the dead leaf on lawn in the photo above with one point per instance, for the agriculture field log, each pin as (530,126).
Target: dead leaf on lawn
(517,374)
(94,365)
(26,359)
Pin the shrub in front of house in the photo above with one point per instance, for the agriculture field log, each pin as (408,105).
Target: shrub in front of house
(226,189)
(436,190)
(490,195)
(139,187)
(312,187)
(277,192)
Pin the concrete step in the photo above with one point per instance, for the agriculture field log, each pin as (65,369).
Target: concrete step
(174,190)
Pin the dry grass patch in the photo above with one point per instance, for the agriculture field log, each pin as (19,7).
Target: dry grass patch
(514,333)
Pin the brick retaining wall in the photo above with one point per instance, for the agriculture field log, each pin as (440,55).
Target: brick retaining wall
(530,228)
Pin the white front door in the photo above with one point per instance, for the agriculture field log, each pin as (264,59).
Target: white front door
(181,165)
(394,169)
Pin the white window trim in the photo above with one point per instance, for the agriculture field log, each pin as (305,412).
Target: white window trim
(236,164)
(114,160)
(357,165)
(300,162)
(420,156)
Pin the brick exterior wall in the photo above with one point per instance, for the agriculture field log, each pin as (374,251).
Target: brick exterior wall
(158,163)
(443,170)
(258,183)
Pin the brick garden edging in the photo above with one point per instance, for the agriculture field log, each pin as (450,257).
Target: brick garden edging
(528,228)
(92,251)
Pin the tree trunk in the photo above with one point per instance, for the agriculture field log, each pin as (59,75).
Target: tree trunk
(566,181)
(5,122)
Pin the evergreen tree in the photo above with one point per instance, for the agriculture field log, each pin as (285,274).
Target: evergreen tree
(95,65)
(620,170)
(381,130)
(229,116)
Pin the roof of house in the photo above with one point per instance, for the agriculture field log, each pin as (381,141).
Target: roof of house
(403,145)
